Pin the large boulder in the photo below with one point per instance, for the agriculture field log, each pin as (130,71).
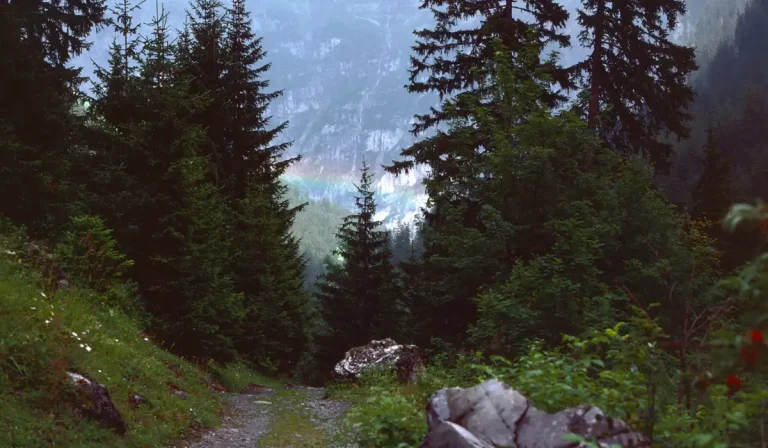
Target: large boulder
(407,360)
(493,414)
(93,401)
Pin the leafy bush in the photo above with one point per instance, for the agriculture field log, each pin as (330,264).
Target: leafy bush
(387,417)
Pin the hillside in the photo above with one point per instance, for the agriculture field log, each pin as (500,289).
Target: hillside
(316,226)
(732,100)
(48,333)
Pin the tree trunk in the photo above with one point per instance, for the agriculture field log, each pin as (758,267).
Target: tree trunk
(597,67)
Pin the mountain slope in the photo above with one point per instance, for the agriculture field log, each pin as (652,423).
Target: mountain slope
(342,65)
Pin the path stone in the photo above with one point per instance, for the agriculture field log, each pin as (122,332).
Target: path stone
(248,422)
(251,416)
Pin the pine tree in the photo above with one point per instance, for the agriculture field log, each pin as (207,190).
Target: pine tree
(414,294)
(270,267)
(123,23)
(153,186)
(269,271)
(460,255)
(252,155)
(453,60)
(712,195)
(354,294)
(400,243)
(634,82)
(449,55)
(202,59)
(38,91)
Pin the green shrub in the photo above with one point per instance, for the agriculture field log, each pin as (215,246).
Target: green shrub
(89,255)
(387,417)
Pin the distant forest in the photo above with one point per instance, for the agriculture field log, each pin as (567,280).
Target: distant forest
(731,101)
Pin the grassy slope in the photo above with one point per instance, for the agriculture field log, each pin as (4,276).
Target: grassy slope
(41,338)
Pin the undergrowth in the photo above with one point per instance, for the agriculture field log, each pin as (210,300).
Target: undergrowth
(600,370)
(44,335)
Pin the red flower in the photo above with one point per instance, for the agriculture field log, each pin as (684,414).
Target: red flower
(757,337)
(733,383)
(749,354)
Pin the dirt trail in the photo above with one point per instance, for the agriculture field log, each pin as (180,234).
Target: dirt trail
(298,418)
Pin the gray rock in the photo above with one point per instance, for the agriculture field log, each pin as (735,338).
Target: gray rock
(497,415)
(137,400)
(93,401)
(181,394)
(407,360)
(448,434)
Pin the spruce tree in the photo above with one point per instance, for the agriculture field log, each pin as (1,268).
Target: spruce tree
(354,294)
(123,23)
(712,196)
(252,154)
(635,81)
(455,62)
(153,186)
(448,55)
(38,91)
(400,243)
(460,255)
(269,272)
(270,267)
(200,51)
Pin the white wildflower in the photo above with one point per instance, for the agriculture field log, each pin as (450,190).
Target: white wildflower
(146,339)
(32,308)
(47,321)
(74,334)
(10,252)
(81,345)
(88,348)
(43,294)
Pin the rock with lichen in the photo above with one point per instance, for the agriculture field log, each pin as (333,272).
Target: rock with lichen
(493,414)
(406,360)
(92,400)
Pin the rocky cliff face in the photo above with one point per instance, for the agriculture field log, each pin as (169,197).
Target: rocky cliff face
(343,65)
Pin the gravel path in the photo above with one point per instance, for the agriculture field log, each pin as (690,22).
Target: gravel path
(254,417)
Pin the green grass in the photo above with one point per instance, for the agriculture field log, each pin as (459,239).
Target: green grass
(236,377)
(292,426)
(42,337)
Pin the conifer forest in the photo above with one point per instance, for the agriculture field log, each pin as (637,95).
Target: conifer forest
(592,231)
